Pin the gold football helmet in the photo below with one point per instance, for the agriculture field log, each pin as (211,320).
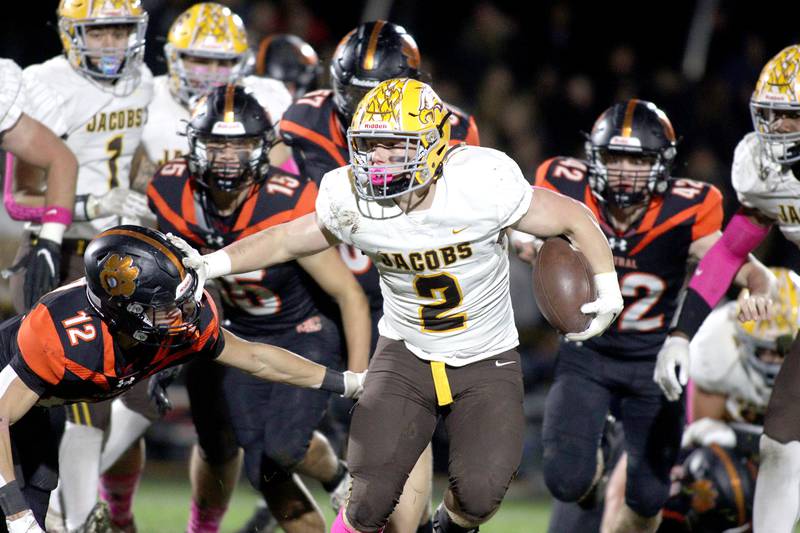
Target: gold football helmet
(404,110)
(776,334)
(214,40)
(77,17)
(777,96)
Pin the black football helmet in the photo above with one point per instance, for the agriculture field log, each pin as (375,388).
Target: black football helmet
(230,135)
(717,487)
(136,281)
(636,128)
(371,53)
(290,59)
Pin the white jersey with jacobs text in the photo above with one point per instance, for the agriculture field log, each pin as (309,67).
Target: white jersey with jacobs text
(718,365)
(164,135)
(766,186)
(101,128)
(443,271)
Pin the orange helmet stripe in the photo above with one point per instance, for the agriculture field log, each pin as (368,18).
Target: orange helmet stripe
(229,91)
(372,45)
(262,55)
(627,122)
(152,242)
(736,481)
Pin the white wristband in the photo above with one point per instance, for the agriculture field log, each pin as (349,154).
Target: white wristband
(606,283)
(52,231)
(218,264)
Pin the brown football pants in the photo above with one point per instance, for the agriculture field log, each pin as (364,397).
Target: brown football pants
(395,418)
(782,421)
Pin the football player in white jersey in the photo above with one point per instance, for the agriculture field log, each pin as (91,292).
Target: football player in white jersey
(24,136)
(101,89)
(434,221)
(766,168)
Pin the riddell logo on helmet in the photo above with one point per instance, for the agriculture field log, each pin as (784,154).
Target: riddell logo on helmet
(626,141)
(376,126)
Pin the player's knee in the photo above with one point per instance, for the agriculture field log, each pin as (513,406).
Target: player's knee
(568,478)
(373,496)
(646,495)
(478,499)
(218,449)
(287,450)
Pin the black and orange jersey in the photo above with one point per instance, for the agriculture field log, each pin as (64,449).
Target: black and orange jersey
(257,302)
(65,353)
(311,126)
(650,258)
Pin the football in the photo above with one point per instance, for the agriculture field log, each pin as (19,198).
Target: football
(562,283)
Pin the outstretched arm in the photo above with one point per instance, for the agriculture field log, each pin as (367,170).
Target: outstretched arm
(271,363)
(277,244)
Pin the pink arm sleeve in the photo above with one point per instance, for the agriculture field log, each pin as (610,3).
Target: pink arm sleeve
(720,264)
(15,210)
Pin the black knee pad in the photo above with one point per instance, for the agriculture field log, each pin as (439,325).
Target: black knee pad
(569,476)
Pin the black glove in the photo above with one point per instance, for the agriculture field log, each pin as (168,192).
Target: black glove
(42,274)
(157,388)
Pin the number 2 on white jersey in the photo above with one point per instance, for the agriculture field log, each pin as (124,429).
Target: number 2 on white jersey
(445,289)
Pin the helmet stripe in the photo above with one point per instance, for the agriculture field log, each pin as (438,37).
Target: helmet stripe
(627,122)
(262,55)
(736,481)
(152,242)
(372,45)
(229,92)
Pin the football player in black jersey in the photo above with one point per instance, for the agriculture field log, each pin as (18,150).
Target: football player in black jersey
(225,190)
(138,311)
(655,225)
(314,127)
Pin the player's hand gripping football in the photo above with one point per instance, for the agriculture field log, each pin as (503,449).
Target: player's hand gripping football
(674,355)
(605,308)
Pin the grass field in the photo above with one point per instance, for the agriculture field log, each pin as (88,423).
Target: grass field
(162,506)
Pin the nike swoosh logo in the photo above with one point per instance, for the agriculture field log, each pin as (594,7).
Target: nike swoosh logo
(459,230)
(49,259)
(698,272)
(504,363)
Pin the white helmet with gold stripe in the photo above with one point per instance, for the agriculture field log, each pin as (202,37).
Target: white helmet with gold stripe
(76,18)
(206,47)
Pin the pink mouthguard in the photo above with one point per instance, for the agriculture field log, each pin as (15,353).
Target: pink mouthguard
(379,176)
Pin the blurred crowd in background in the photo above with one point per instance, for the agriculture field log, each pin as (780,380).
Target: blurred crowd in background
(535,75)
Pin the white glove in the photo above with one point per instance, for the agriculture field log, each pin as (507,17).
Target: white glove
(207,266)
(674,353)
(24,524)
(606,308)
(118,201)
(354,384)
(707,431)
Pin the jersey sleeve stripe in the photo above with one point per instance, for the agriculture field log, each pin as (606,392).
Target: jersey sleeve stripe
(473,137)
(86,374)
(108,351)
(307,202)
(187,204)
(541,175)
(274,220)
(710,217)
(314,137)
(246,213)
(171,216)
(665,226)
(335,127)
(41,346)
